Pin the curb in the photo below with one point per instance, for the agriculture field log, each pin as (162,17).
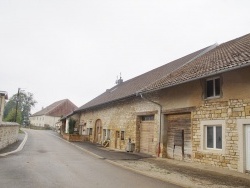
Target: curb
(20,147)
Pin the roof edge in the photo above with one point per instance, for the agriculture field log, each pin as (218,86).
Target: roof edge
(197,56)
(129,96)
(196,78)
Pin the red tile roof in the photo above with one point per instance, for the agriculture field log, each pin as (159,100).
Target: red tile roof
(57,109)
(132,86)
(225,57)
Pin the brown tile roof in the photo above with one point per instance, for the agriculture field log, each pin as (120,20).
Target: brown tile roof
(225,57)
(57,109)
(130,87)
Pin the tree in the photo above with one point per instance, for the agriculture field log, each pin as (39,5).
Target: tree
(25,103)
(11,116)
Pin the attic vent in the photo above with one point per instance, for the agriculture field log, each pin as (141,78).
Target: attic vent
(120,80)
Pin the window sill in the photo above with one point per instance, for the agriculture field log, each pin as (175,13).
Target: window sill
(214,97)
(213,151)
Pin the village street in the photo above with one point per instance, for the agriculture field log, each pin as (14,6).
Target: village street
(47,161)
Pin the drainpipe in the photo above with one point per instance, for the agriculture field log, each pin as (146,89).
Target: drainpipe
(159,143)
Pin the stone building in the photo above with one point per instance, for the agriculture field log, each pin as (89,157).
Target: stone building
(119,115)
(196,108)
(206,107)
(49,116)
(8,130)
(3,97)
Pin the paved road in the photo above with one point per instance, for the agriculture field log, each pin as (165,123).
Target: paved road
(47,161)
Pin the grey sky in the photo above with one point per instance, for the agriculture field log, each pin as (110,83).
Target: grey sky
(75,49)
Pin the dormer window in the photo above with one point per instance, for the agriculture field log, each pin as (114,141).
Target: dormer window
(213,87)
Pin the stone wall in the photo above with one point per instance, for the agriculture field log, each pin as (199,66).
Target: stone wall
(227,112)
(8,133)
(121,116)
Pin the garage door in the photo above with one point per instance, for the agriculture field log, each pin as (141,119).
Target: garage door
(179,145)
(147,137)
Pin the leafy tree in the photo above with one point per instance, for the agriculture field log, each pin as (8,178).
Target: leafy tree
(25,103)
(11,116)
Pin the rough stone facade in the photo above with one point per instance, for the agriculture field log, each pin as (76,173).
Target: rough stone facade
(8,133)
(229,111)
(121,116)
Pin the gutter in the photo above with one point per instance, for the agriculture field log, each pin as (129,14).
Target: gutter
(159,141)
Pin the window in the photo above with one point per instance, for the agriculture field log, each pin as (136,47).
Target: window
(122,135)
(117,134)
(147,118)
(89,131)
(214,137)
(213,87)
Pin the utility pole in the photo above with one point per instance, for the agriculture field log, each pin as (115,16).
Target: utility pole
(17,100)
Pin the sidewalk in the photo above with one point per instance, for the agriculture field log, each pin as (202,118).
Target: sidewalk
(14,146)
(186,174)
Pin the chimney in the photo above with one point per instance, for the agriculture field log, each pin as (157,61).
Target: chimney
(120,80)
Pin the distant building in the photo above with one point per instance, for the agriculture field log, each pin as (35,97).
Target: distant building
(49,116)
(3,97)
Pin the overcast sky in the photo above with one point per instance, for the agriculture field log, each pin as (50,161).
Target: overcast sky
(75,49)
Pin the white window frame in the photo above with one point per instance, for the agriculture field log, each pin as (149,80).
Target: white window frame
(206,123)
(214,95)
(214,136)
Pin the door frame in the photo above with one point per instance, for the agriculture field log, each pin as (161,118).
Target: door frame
(246,146)
(241,125)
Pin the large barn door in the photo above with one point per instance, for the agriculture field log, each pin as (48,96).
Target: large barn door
(179,144)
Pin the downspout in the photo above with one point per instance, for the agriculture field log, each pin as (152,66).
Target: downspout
(159,143)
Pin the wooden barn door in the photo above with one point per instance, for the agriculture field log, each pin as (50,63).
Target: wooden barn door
(179,143)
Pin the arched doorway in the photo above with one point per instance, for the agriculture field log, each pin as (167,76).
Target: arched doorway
(98,131)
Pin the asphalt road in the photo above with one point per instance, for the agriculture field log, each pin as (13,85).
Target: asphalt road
(47,161)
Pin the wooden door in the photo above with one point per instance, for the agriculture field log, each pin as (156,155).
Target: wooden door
(147,137)
(179,143)
(98,131)
(117,136)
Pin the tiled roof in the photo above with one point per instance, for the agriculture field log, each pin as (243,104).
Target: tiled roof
(130,87)
(57,109)
(225,57)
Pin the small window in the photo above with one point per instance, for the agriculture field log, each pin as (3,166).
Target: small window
(122,135)
(213,87)
(214,137)
(147,118)
(90,131)
(117,134)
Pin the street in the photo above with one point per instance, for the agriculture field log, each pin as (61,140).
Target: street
(47,161)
